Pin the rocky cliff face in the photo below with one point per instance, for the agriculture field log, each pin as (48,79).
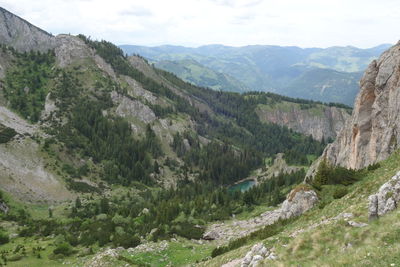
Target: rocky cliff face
(373,131)
(23,36)
(319,121)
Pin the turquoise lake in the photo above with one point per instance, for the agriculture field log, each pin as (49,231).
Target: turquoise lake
(243,186)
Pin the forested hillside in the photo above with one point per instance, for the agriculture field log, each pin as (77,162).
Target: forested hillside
(329,75)
(99,150)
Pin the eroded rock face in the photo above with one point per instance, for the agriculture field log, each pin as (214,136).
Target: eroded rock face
(132,108)
(298,202)
(373,131)
(321,122)
(22,35)
(386,199)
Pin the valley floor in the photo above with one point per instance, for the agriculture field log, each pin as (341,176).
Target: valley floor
(334,233)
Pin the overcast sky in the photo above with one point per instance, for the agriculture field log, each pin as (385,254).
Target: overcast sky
(305,23)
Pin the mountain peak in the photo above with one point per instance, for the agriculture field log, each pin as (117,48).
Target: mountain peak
(22,35)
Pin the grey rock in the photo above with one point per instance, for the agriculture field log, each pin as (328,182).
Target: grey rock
(71,49)
(272,256)
(132,108)
(211,235)
(255,261)
(325,125)
(263,252)
(247,259)
(373,131)
(356,224)
(257,253)
(23,36)
(298,202)
(386,199)
(3,207)
(373,207)
(256,248)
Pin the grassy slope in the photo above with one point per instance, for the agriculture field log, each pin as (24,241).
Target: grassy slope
(374,245)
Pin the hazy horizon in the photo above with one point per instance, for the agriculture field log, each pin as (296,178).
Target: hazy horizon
(198,46)
(194,23)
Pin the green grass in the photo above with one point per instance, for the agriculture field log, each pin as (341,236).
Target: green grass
(178,253)
(377,244)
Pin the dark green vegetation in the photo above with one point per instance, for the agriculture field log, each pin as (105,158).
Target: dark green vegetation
(330,175)
(6,134)
(261,234)
(120,221)
(87,140)
(332,182)
(26,84)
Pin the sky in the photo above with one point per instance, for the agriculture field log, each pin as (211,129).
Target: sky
(304,23)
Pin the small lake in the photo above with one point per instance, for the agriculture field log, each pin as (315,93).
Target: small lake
(242,186)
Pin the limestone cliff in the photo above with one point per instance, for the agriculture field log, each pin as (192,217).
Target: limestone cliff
(23,36)
(319,121)
(373,131)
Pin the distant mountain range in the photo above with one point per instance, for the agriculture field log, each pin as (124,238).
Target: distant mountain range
(329,75)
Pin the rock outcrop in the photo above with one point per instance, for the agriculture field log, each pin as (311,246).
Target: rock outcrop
(298,201)
(373,131)
(386,199)
(3,207)
(257,254)
(319,121)
(211,235)
(132,108)
(278,167)
(23,36)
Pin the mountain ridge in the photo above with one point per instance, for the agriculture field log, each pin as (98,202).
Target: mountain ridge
(281,70)
(147,161)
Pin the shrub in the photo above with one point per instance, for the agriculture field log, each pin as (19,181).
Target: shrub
(4,238)
(340,192)
(64,249)
(374,166)
(6,134)
(188,230)
(328,174)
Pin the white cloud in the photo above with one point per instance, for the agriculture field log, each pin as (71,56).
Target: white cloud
(306,23)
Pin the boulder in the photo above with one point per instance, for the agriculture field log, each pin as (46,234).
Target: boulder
(356,224)
(257,253)
(211,235)
(299,200)
(386,199)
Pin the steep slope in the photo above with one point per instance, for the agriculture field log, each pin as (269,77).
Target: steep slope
(194,72)
(336,232)
(325,85)
(74,94)
(317,120)
(23,36)
(372,132)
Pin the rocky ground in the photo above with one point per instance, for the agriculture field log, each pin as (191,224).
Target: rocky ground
(298,202)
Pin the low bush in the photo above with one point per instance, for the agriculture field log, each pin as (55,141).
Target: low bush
(64,249)
(4,238)
(340,192)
